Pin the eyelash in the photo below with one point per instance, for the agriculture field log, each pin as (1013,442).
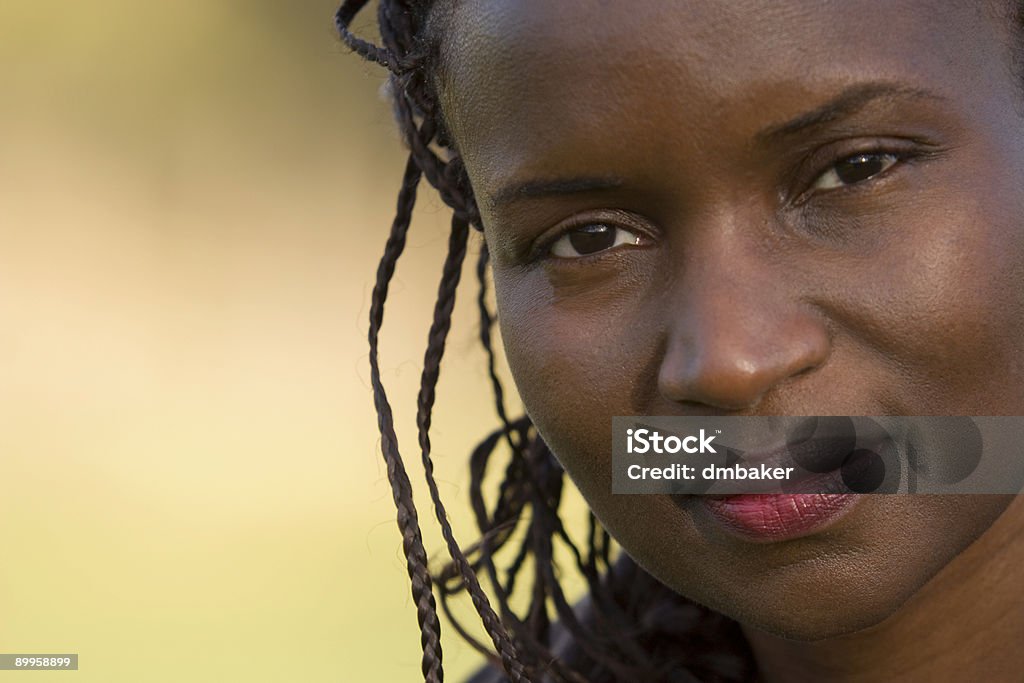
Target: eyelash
(627,230)
(889,160)
(618,233)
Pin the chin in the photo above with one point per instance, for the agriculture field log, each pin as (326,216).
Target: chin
(826,601)
(820,622)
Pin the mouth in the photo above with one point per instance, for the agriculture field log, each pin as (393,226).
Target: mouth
(832,480)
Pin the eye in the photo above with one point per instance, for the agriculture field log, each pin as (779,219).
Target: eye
(855,169)
(591,239)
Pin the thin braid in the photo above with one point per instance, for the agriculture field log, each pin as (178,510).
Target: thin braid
(534,633)
(486,324)
(398,31)
(401,488)
(609,651)
(365,49)
(432,362)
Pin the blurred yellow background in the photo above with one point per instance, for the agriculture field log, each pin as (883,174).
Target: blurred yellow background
(193,199)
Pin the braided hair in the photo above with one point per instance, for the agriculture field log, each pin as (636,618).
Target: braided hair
(631,627)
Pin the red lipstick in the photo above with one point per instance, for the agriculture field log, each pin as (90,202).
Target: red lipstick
(778,517)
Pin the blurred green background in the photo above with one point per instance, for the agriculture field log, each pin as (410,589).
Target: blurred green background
(193,198)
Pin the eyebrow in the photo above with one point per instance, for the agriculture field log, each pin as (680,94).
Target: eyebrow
(533,189)
(847,103)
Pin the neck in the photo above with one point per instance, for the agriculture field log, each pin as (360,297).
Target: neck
(967,623)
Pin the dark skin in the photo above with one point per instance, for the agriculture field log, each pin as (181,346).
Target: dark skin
(781,208)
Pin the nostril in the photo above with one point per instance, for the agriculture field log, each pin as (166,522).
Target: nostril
(734,369)
(806,371)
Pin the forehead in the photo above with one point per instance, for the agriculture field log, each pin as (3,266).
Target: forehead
(525,77)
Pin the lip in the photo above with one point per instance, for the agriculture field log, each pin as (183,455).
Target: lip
(770,518)
(817,499)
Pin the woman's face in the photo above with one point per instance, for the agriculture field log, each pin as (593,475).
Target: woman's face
(750,208)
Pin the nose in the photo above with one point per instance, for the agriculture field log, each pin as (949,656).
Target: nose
(735,335)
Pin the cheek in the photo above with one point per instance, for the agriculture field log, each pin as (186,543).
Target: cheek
(577,362)
(943,307)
